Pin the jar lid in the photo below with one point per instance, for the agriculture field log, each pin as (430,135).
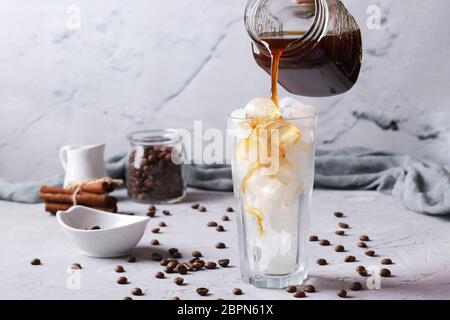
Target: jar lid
(154,137)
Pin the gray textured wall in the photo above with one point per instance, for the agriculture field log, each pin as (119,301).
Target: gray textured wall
(160,63)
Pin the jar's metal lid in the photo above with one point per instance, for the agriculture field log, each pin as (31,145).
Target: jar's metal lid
(155,137)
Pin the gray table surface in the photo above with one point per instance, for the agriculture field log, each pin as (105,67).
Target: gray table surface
(418,244)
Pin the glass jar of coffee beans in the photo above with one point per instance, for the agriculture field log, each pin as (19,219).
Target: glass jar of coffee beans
(154,170)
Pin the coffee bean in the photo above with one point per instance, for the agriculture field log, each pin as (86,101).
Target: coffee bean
(212,224)
(181,269)
(342,293)
(195,205)
(321,262)
(225,218)
(364,238)
(291,289)
(178,281)
(75,266)
(237,291)
(177,255)
(198,265)
(169,270)
(211,265)
(309,288)
(324,242)
(220,228)
(162,224)
(119,269)
(155,230)
(173,250)
(313,238)
(127,298)
(220,245)
(370,253)
(122,280)
(344,225)
(360,269)
(156,256)
(361,244)
(166,212)
(131,259)
(339,248)
(299,294)
(229,209)
(175,298)
(350,259)
(202,291)
(363,273)
(136,292)
(202,209)
(338,214)
(159,275)
(356,286)
(95,228)
(152,208)
(151,214)
(154,242)
(385,272)
(224,263)
(35,262)
(386,261)
(172,264)
(164,262)
(196,254)
(340,232)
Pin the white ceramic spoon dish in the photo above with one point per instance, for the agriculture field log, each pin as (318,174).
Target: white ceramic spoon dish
(117,236)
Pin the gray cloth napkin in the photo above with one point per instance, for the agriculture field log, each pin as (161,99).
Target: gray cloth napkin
(421,186)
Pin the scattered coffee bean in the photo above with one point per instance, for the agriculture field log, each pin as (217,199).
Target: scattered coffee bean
(224,263)
(155,230)
(178,281)
(237,291)
(220,245)
(172,250)
(154,242)
(386,261)
(339,248)
(195,206)
(35,262)
(299,294)
(162,224)
(127,298)
(212,224)
(172,264)
(313,238)
(177,255)
(202,291)
(198,265)
(350,259)
(169,270)
(196,254)
(211,265)
(95,228)
(340,232)
(159,275)
(164,262)
(229,209)
(324,242)
(344,225)
(342,293)
(309,288)
(119,269)
(364,238)
(136,292)
(166,212)
(356,286)
(156,256)
(385,272)
(291,289)
(370,253)
(338,214)
(202,209)
(360,269)
(131,259)
(122,280)
(363,273)
(225,218)
(175,298)
(75,266)
(220,228)
(152,208)
(181,269)
(361,244)
(321,262)
(151,214)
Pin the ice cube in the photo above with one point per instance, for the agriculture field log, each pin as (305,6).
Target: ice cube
(260,108)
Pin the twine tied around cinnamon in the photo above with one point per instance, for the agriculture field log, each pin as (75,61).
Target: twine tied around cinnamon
(78,185)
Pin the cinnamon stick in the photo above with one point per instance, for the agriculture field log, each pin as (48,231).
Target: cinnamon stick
(54,207)
(98,188)
(84,198)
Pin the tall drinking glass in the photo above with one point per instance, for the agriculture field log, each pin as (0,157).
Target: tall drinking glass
(273,176)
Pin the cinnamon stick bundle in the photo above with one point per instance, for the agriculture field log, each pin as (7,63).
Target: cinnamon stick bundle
(83,198)
(101,187)
(54,207)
